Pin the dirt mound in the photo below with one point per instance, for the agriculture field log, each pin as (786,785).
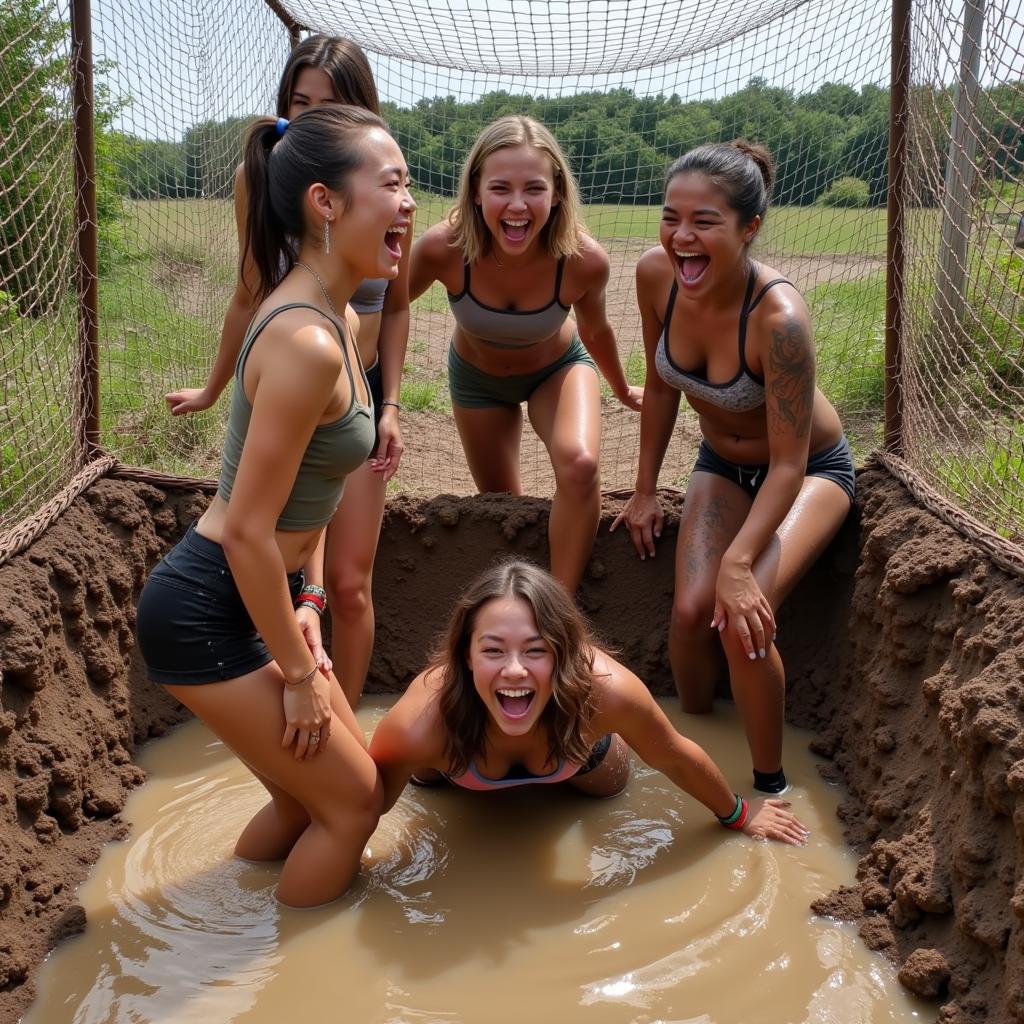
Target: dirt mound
(915,694)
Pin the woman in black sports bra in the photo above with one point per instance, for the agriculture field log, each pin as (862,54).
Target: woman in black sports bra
(773,480)
(514,258)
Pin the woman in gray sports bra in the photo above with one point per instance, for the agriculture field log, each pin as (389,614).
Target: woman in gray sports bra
(331,69)
(773,481)
(515,259)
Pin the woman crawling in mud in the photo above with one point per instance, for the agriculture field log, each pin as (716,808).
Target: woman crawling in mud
(522,694)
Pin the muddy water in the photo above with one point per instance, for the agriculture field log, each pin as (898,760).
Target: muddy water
(530,905)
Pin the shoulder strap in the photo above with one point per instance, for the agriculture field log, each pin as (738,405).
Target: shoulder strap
(558,278)
(669,306)
(254,331)
(760,295)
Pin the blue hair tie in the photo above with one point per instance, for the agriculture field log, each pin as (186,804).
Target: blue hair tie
(282,123)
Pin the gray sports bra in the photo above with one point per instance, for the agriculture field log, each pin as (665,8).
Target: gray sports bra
(334,450)
(745,392)
(369,296)
(508,328)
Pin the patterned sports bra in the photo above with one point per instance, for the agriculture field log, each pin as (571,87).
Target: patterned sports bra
(508,328)
(745,392)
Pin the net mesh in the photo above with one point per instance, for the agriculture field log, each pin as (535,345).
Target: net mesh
(964,279)
(38,310)
(626,87)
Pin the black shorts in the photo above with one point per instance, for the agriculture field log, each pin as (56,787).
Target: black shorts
(375,379)
(191,623)
(834,463)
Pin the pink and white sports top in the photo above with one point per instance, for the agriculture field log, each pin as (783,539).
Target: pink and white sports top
(516,776)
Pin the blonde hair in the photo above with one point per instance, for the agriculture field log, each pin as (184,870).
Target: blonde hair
(563,233)
(566,632)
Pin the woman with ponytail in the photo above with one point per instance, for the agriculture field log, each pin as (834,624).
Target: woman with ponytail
(333,70)
(773,480)
(328,206)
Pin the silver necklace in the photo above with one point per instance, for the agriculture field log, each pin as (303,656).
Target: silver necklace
(323,288)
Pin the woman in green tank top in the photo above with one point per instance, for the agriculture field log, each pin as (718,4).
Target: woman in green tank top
(330,70)
(328,204)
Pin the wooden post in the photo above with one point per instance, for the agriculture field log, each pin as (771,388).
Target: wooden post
(895,280)
(86,238)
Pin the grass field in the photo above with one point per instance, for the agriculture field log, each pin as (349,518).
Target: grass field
(162,304)
(795,230)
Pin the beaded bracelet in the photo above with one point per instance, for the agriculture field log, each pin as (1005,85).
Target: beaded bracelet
(738,818)
(392,403)
(312,596)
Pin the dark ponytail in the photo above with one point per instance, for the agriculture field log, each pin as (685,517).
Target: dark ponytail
(282,160)
(744,171)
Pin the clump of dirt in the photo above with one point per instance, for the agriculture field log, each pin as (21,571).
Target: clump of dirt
(915,693)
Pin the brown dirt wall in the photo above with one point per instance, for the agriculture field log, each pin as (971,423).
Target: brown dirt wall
(904,650)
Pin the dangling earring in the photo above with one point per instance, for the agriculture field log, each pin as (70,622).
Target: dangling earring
(327,237)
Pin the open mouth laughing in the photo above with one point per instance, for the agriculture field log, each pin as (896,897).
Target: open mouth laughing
(691,265)
(515,701)
(515,230)
(393,240)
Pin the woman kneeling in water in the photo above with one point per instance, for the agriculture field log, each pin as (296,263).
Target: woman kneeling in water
(521,693)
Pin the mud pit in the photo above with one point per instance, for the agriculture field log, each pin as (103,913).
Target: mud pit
(915,693)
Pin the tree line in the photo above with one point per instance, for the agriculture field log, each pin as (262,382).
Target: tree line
(619,144)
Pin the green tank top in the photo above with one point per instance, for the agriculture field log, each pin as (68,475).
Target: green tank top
(334,450)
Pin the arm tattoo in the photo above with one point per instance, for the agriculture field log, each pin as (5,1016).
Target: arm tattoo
(791,389)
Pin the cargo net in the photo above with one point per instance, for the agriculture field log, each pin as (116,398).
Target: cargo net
(964,281)
(626,87)
(38,305)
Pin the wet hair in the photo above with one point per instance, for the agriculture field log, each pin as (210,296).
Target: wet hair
(322,145)
(564,230)
(566,632)
(743,170)
(345,64)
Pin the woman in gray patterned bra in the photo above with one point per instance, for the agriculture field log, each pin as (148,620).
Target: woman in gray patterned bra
(515,259)
(773,480)
(331,69)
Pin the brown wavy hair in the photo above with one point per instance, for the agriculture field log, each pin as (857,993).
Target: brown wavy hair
(566,632)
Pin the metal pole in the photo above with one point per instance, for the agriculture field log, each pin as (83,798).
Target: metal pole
(895,279)
(88,422)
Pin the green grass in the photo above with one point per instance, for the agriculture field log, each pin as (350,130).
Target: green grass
(422,395)
(991,475)
(794,230)
(849,330)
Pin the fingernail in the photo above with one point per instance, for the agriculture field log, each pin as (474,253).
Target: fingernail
(753,657)
(721,626)
(761,652)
